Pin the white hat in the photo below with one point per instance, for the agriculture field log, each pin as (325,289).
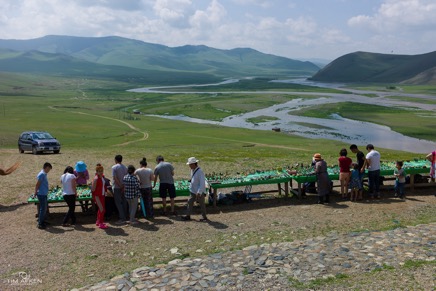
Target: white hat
(192,160)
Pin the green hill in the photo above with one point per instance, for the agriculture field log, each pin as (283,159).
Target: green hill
(64,65)
(377,68)
(117,51)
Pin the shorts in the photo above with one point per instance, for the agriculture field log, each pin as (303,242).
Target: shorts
(344,176)
(165,188)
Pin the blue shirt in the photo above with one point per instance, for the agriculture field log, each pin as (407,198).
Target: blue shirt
(43,187)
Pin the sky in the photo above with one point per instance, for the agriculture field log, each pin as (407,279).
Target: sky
(298,29)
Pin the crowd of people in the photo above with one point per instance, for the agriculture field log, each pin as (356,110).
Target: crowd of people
(127,187)
(351,174)
(130,185)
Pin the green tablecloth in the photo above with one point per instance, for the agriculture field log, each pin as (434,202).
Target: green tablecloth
(387,169)
(259,178)
(84,193)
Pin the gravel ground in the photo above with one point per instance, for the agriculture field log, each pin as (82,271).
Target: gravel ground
(64,258)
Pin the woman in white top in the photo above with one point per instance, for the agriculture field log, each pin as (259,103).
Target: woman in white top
(68,180)
(145,176)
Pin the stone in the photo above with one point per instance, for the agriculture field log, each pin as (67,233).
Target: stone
(203,283)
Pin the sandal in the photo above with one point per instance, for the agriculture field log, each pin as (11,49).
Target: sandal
(204,219)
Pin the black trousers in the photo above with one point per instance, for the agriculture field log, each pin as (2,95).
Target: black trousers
(71,202)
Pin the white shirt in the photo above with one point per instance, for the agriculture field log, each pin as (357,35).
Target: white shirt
(374,160)
(67,187)
(144,175)
(198,181)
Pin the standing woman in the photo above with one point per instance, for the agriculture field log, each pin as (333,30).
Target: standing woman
(145,176)
(98,190)
(68,180)
(322,179)
(432,158)
(344,172)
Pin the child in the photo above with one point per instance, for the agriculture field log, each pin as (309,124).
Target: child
(400,180)
(98,191)
(131,192)
(344,175)
(356,183)
(41,191)
(82,177)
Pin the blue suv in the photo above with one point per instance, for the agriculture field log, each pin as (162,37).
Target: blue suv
(38,142)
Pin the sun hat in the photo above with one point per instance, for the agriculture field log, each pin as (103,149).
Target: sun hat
(80,167)
(317,156)
(192,160)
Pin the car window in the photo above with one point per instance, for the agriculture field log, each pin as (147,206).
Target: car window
(42,135)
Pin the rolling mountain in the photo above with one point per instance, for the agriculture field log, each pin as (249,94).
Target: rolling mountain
(122,52)
(36,62)
(378,68)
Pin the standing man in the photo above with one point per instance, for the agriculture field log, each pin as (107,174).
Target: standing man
(165,172)
(372,163)
(41,191)
(197,188)
(118,173)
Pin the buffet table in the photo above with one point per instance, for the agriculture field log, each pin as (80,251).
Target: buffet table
(258,178)
(84,193)
(386,169)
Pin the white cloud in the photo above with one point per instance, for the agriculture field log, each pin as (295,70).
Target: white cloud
(173,12)
(399,15)
(261,3)
(203,21)
(285,27)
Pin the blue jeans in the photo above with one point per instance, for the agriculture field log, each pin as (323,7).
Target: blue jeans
(374,182)
(399,188)
(42,208)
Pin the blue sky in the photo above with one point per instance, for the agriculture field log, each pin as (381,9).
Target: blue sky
(299,29)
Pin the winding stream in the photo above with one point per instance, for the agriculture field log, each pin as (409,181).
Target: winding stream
(335,128)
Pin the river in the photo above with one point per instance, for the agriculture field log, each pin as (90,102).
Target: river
(335,128)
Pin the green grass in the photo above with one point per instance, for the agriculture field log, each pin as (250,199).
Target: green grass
(317,283)
(409,264)
(415,123)
(55,105)
(262,118)
(259,84)
(401,88)
(413,99)
(209,106)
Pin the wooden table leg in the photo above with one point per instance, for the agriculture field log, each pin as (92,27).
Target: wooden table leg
(215,196)
(280,188)
(412,182)
(299,190)
(286,189)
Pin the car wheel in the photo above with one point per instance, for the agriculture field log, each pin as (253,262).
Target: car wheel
(56,152)
(34,151)
(20,150)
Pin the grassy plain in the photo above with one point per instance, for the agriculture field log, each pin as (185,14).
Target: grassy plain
(262,118)
(415,123)
(413,99)
(89,118)
(258,84)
